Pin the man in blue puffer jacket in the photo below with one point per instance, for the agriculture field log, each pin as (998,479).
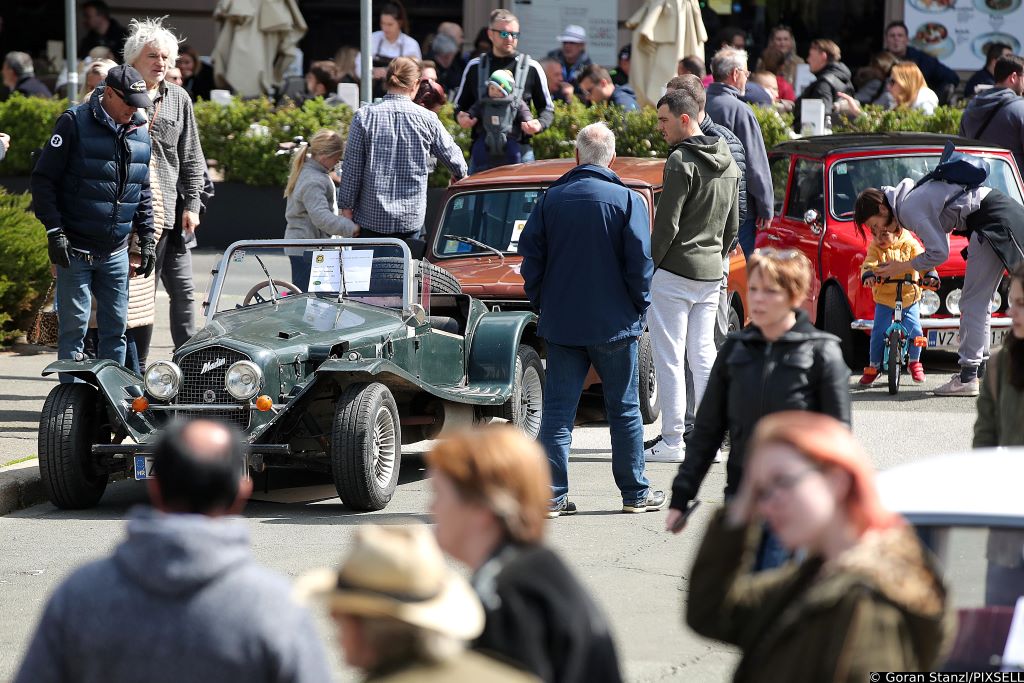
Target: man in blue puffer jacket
(587,269)
(90,190)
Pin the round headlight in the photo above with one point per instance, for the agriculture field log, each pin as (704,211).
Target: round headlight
(953,302)
(163,379)
(930,302)
(996,303)
(243,380)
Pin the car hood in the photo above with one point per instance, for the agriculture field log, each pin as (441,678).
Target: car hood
(300,321)
(487,278)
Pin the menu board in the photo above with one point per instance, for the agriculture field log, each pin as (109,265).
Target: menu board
(542,21)
(958,32)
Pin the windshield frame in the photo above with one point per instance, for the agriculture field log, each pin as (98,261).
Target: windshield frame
(219,275)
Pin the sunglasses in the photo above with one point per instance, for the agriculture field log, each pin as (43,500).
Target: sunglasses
(505,35)
(777,254)
(890,81)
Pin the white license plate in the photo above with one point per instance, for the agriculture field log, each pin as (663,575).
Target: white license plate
(949,340)
(143,467)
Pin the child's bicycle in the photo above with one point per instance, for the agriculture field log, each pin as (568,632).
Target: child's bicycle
(896,353)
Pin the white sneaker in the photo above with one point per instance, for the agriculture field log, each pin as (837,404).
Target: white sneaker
(660,452)
(954,387)
(718,456)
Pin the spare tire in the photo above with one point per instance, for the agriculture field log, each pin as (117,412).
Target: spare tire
(388,272)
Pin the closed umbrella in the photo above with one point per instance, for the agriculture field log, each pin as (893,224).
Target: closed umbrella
(255,43)
(664,31)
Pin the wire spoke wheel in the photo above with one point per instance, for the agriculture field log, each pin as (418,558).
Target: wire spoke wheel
(531,401)
(383,447)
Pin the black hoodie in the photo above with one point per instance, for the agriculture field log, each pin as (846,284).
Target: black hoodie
(996,116)
(753,377)
(833,78)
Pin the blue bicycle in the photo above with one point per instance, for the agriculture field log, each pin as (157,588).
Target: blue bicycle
(896,353)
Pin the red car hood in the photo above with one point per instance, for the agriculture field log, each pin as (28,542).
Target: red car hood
(487,278)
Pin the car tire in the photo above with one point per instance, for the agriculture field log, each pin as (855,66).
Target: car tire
(525,407)
(837,320)
(366,446)
(650,408)
(735,323)
(391,269)
(73,419)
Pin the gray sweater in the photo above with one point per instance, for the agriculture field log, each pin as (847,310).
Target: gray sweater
(1006,126)
(932,211)
(312,207)
(181,599)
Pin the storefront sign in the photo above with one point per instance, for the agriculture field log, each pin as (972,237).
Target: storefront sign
(958,32)
(542,21)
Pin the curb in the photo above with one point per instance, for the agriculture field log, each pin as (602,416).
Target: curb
(20,487)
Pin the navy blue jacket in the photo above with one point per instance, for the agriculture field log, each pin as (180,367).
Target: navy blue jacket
(623,96)
(94,182)
(587,259)
(935,72)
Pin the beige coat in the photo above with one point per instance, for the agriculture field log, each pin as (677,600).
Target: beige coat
(664,31)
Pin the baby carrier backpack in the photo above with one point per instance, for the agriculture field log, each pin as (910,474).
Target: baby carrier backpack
(499,113)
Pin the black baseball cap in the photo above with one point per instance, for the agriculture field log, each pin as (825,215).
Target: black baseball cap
(626,52)
(129,84)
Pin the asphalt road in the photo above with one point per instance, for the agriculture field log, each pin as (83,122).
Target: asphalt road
(637,572)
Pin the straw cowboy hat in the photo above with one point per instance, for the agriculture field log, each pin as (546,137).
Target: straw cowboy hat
(398,573)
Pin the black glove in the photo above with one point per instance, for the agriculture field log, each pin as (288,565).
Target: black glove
(57,247)
(147,245)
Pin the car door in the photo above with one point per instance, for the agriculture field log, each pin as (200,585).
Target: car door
(778,164)
(806,191)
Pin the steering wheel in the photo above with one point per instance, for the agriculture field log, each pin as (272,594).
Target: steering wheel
(254,292)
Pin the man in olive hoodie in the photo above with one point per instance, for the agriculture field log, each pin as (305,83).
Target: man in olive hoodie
(696,223)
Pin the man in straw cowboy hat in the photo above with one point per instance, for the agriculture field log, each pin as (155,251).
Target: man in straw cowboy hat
(402,614)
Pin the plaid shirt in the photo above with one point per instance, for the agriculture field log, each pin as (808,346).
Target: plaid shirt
(384,177)
(177,153)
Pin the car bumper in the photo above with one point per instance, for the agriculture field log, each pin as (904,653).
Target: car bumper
(149,447)
(934,324)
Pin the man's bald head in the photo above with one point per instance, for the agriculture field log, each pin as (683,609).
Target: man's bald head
(200,468)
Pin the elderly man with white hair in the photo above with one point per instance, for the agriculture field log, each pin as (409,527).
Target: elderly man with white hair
(176,170)
(587,269)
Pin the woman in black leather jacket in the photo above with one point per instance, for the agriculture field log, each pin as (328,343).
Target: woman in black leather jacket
(778,362)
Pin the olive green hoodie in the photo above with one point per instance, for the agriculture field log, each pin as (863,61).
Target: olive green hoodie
(698,214)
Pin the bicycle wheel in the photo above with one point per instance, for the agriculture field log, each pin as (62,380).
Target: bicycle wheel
(895,343)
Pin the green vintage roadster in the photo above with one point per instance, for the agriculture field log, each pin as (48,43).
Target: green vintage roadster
(377,350)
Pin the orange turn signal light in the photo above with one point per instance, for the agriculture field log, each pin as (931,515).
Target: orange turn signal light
(921,342)
(264,403)
(140,404)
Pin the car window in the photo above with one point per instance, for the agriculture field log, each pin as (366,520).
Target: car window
(495,218)
(850,177)
(779,165)
(807,189)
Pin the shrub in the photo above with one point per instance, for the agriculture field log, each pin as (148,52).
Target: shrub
(29,121)
(24,265)
(875,119)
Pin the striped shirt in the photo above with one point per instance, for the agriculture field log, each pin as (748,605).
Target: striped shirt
(387,157)
(177,152)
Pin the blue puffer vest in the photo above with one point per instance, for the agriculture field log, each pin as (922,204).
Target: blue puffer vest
(102,187)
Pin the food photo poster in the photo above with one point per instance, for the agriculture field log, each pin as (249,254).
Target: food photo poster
(958,32)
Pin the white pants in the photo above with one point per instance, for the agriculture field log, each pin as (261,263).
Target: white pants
(681,321)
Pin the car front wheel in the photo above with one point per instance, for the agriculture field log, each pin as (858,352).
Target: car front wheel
(73,419)
(366,446)
(525,407)
(650,409)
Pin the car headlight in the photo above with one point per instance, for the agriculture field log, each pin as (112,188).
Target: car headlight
(953,302)
(996,303)
(930,302)
(163,379)
(243,380)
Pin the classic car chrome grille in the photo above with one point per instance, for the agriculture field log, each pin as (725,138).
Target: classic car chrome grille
(196,384)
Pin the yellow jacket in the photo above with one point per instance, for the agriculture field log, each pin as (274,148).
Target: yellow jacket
(903,249)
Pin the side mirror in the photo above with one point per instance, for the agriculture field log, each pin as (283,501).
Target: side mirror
(811,218)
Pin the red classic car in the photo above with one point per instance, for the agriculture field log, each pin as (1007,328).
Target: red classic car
(477,235)
(817,180)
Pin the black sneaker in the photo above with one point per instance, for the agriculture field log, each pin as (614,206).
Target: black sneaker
(566,508)
(650,443)
(655,501)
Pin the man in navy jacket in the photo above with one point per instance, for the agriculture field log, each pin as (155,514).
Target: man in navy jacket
(939,77)
(587,269)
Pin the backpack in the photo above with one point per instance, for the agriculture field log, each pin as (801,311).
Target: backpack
(958,168)
(500,113)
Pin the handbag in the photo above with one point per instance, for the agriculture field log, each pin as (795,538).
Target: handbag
(44,328)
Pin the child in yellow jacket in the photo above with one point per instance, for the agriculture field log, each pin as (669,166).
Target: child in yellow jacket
(892,243)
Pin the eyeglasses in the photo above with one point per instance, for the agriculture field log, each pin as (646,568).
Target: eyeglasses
(782,483)
(505,35)
(777,254)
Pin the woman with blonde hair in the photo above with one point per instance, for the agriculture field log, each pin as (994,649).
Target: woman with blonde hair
(779,362)
(490,501)
(907,85)
(866,597)
(312,207)
(93,75)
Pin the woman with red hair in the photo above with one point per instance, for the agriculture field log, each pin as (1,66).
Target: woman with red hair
(865,598)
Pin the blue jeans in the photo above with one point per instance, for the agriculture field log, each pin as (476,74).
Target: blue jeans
(748,234)
(103,277)
(301,266)
(770,552)
(567,368)
(883,318)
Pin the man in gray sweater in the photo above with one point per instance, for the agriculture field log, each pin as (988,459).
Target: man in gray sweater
(697,220)
(996,116)
(181,598)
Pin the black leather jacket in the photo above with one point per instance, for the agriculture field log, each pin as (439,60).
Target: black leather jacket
(752,377)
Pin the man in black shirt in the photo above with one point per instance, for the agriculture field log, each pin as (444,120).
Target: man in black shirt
(104,30)
(503,30)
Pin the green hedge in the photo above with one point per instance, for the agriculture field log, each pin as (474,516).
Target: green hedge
(24,265)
